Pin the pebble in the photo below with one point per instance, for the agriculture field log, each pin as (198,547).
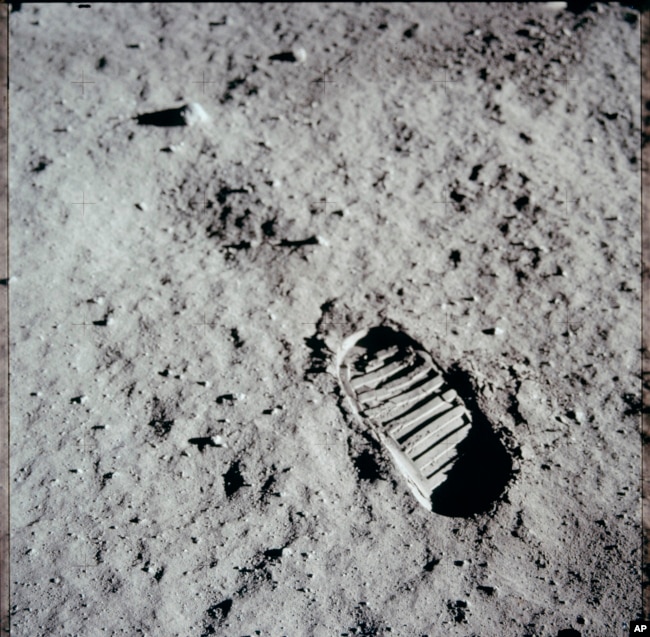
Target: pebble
(299,53)
(527,452)
(194,114)
(555,6)
(218,441)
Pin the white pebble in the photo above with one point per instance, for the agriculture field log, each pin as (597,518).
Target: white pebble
(300,54)
(555,6)
(193,114)
(218,441)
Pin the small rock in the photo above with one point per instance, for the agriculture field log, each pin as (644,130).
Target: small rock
(194,114)
(218,441)
(555,6)
(494,331)
(527,452)
(299,53)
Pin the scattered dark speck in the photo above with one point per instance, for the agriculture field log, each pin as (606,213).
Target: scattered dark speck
(238,342)
(203,442)
(220,611)
(273,554)
(41,164)
(161,426)
(475,171)
(367,467)
(522,202)
(268,227)
(410,32)
(431,564)
(233,480)
(106,477)
(454,257)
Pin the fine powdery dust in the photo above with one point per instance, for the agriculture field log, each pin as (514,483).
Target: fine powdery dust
(207,202)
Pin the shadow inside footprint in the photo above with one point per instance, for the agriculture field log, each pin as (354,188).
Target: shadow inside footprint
(481,473)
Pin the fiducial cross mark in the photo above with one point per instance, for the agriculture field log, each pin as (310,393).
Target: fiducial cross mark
(83,83)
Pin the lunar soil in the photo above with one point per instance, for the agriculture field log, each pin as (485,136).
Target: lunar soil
(206,200)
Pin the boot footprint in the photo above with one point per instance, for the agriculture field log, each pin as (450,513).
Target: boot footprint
(398,390)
